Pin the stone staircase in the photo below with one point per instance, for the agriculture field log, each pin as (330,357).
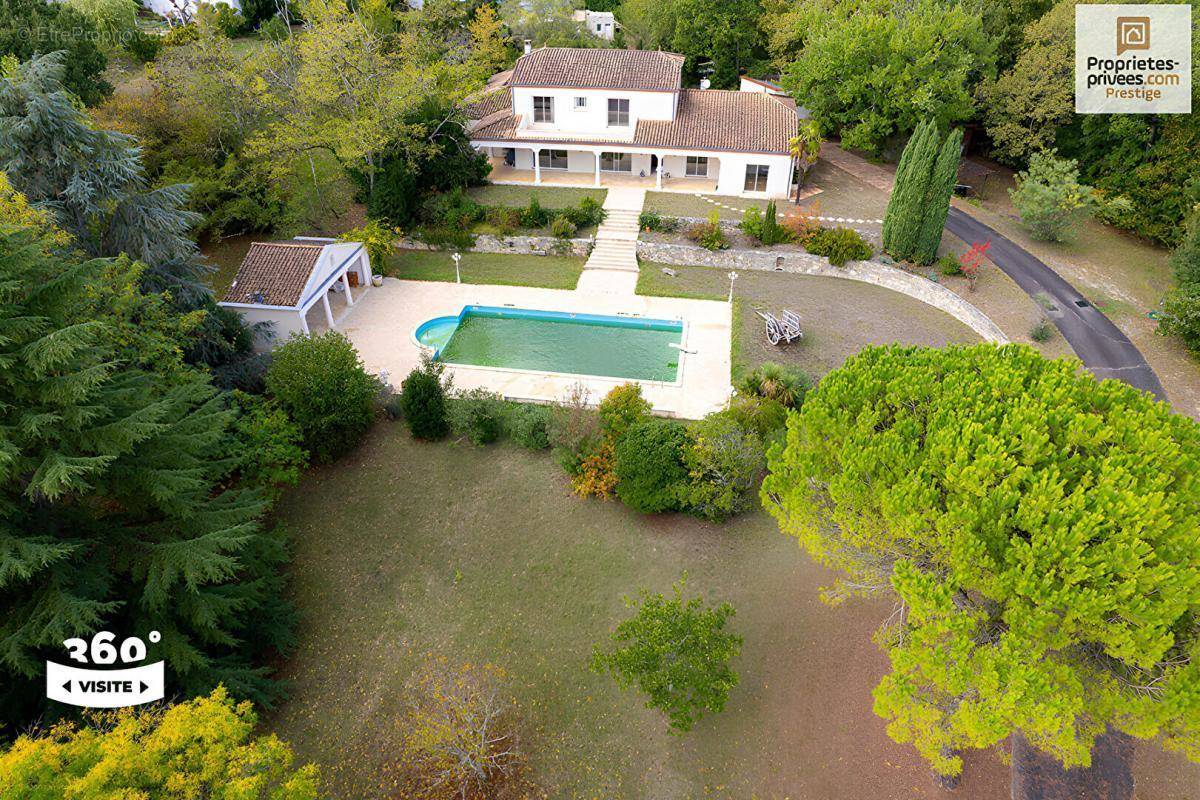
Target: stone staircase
(612,266)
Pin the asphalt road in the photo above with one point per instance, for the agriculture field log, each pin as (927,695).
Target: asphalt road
(1100,344)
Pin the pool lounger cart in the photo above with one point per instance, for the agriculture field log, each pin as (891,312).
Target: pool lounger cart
(782,330)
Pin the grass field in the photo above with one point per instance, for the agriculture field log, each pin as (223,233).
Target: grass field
(551,272)
(548,196)
(405,551)
(839,317)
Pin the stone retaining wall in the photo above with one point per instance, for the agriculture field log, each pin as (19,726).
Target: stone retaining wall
(515,245)
(872,272)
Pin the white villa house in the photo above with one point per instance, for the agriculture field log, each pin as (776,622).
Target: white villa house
(587,116)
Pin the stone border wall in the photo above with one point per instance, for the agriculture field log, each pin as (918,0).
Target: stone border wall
(515,245)
(872,272)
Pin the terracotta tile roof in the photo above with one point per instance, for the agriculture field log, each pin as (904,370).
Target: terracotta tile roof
(708,119)
(712,119)
(599,68)
(274,273)
(488,104)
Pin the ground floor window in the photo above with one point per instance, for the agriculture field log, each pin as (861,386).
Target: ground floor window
(616,162)
(756,177)
(697,167)
(552,159)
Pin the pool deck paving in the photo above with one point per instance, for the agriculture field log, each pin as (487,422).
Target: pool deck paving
(382,322)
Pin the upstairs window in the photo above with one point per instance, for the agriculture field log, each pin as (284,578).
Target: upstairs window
(543,109)
(618,113)
(580,103)
(697,167)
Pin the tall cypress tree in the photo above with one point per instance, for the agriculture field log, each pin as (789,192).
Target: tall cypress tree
(937,200)
(902,222)
(113,511)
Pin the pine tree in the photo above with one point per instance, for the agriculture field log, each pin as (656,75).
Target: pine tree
(936,206)
(113,513)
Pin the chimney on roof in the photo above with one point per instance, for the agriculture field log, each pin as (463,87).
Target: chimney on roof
(528,46)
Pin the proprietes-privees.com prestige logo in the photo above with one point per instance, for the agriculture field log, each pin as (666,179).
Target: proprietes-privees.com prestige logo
(1133,59)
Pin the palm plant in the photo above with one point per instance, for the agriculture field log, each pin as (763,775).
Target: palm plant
(785,385)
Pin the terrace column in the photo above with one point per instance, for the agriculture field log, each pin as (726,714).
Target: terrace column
(537,167)
(658,172)
(597,168)
(328,312)
(346,286)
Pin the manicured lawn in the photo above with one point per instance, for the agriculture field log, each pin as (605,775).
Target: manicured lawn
(839,317)
(674,204)
(548,196)
(405,551)
(551,272)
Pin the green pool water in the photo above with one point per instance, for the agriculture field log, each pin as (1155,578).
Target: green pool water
(617,348)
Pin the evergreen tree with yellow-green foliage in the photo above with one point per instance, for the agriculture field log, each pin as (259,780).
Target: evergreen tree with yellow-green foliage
(1037,530)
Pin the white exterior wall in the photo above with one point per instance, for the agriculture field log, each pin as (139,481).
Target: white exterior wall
(677,167)
(593,119)
(284,325)
(732,178)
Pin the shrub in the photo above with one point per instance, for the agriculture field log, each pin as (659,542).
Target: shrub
(394,407)
(649,466)
(143,47)
(180,35)
(321,383)
(269,446)
(653,221)
(783,384)
(1050,198)
(446,238)
(772,232)
(423,400)
(1181,316)
(597,475)
(675,652)
(529,426)
(725,463)
(752,222)
(453,209)
(479,415)
(589,213)
(766,418)
(224,18)
(562,228)
(504,219)
(574,429)
(709,235)
(804,222)
(533,215)
(1043,331)
(1185,259)
(949,265)
(839,245)
(274,29)
(377,238)
(621,409)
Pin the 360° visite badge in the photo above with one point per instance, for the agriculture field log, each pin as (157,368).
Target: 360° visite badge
(106,680)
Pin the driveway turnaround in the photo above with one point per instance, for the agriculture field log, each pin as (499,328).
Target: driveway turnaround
(1100,344)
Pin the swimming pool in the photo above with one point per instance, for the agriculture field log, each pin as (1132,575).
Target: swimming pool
(556,341)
